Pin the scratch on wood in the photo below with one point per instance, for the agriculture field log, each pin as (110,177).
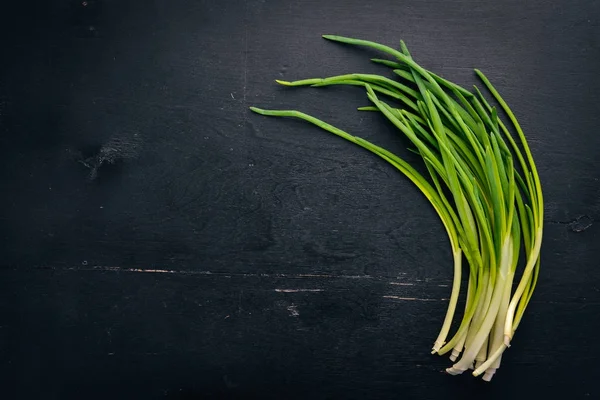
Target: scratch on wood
(297,290)
(333,276)
(293,310)
(217,274)
(412,284)
(411,298)
(159,271)
(579,224)
(152,271)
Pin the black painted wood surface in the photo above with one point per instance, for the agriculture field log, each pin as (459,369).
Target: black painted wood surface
(161,241)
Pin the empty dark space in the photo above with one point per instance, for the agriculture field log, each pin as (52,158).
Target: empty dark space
(159,240)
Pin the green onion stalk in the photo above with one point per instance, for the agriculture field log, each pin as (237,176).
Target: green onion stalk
(482,182)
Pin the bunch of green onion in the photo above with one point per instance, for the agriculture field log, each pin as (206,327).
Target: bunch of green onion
(483,184)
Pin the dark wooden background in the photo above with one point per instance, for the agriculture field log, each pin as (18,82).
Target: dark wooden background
(161,241)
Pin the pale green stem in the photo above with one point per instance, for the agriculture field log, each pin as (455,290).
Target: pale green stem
(483,332)
(441,339)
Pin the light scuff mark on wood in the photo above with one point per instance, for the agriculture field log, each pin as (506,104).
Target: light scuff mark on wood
(577,225)
(293,310)
(89,267)
(411,298)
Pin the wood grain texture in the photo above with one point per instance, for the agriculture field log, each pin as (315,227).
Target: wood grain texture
(228,255)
